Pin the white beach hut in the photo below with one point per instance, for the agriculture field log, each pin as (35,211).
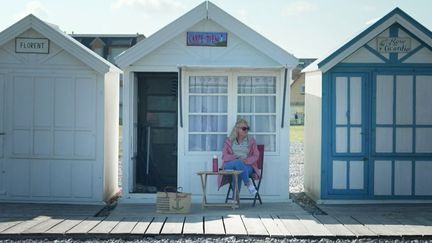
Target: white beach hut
(184,88)
(58,117)
(368,116)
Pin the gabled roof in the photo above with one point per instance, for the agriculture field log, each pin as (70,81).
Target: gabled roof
(57,36)
(395,16)
(205,10)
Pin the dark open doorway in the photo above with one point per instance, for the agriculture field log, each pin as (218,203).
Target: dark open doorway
(156,164)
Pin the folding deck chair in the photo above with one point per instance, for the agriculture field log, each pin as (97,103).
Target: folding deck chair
(254,177)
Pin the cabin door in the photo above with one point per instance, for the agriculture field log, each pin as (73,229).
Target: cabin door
(156,162)
(401,138)
(349,156)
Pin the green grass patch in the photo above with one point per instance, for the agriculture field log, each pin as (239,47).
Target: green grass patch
(296,133)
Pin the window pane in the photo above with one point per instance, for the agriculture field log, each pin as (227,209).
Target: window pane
(257,104)
(256,85)
(269,142)
(261,123)
(206,142)
(201,123)
(208,84)
(206,104)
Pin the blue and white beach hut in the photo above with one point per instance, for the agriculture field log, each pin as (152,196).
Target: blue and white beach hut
(368,121)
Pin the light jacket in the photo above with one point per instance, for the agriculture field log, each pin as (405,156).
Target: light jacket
(252,157)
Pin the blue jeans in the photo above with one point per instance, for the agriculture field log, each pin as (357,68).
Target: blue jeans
(239,165)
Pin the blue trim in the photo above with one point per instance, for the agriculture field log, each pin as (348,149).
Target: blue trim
(411,53)
(376,53)
(394,33)
(396,11)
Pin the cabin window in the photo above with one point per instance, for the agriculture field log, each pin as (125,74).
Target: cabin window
(216,102)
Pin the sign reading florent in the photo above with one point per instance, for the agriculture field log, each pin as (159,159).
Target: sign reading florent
(32,45)
(207,39)
(393,44)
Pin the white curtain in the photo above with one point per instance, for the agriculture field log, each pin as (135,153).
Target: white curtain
(208,105)
(257,104)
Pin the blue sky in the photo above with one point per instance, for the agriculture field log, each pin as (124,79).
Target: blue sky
(305,28)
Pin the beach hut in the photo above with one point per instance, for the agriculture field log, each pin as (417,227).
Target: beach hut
(58,117)
(368,116)
(184,88)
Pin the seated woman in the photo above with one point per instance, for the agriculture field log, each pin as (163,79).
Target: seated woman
(240,152)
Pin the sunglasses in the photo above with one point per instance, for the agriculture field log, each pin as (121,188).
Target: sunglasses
(244,128)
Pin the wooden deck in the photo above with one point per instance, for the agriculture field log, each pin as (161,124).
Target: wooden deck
(269,220)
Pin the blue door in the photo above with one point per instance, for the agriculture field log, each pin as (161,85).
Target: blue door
(401,160)
(348,162)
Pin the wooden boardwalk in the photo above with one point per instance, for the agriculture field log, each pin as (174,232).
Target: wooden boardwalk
(272,220)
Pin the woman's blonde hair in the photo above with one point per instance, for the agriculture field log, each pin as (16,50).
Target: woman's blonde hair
(233,134)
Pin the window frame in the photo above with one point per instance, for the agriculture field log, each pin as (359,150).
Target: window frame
(232,101)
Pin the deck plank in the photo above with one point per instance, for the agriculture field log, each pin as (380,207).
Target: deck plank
(273,228)
(65,225)
(156,225)
(85,226)
(313,225)
(213,225)
(125,226)
(106,226)
(234,225)
(294,225)
(193,225)
(25,225)
(334,226)
(173,226)
(6,223)
(375,225)
(395,225)
(254,226)
(43,227)
(354,226)
(142,225)
(420,224)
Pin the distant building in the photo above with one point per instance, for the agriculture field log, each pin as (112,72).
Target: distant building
(297,92)
(109,46)
(106,45)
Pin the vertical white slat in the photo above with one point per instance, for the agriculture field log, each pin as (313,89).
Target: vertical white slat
(356,172)
(22,108)
(43,140)
(355,140)
(341,100)
(382,177)
(404,139)
(82,179)
(403,177)
(404,100)
(341,140)
(423,178)
(64,103)
(339,174)
(423,93)
(85,103)
(384,139)
(355,101)
(384,99)
(423,140)
(40,178)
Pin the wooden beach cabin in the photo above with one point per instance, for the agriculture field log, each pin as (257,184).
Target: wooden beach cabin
(368,121)
(58,117)
(184,88)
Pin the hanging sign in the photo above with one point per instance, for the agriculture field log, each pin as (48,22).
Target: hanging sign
(393,44)
(217,39)
(32,45)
